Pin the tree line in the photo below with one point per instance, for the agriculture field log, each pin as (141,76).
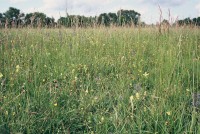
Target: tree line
(188,21)
(13,17)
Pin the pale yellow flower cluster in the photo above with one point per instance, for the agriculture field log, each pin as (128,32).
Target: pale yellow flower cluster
(17,68)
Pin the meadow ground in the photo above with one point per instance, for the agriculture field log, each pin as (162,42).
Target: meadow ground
(103,80)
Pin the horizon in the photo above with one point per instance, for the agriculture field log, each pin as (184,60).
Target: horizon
(147,8)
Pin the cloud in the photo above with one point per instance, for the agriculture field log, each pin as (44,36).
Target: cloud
(78,4)
(16,1)
(198,8)
(147,8)
(86,7)
(172,3)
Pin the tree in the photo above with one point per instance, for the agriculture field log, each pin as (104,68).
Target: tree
(113,18)
(65,21)
(49,21)
(12,13)
(196,21)
(11,16)
(21,19)
(128,17)
(104,19)
(165,22)
(187,21)
(1,20)
(35,19)
(1,15)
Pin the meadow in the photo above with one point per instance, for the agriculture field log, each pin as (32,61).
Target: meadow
(99,80)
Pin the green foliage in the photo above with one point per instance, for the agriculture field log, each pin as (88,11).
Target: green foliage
(188,21)
(1,15)
(37,18)
(12,13)
(113,18)
(128,17)
(76,21)
(104,19)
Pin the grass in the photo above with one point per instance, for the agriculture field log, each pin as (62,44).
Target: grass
(103,80)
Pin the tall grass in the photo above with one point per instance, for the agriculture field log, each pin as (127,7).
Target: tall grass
(103,80)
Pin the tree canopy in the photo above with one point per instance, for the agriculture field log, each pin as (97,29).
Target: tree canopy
(13,17)
(188,21)
(12,13)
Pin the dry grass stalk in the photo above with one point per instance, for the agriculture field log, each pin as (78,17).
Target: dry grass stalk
(160,20)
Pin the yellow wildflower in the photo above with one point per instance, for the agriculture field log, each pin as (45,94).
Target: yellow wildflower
(17,68)
(102,119)
(86,91)
(166,123)
(146,74)
(1,75)
(137,96)
(168,113)
(55,104)
(145,109)
(131,98)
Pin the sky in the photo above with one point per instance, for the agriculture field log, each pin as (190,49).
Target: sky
(147,8)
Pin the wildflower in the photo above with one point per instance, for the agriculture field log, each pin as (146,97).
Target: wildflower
(168,113)
(146,74)
(1,75)
(166,123)
(86,91)
(188,90)
(55,104)
(102,119)
(17,68)
(145,109)
(137,96)
(140,71)
(6,113)
(131,98)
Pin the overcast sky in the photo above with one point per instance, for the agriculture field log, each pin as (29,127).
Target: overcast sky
(148,8)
